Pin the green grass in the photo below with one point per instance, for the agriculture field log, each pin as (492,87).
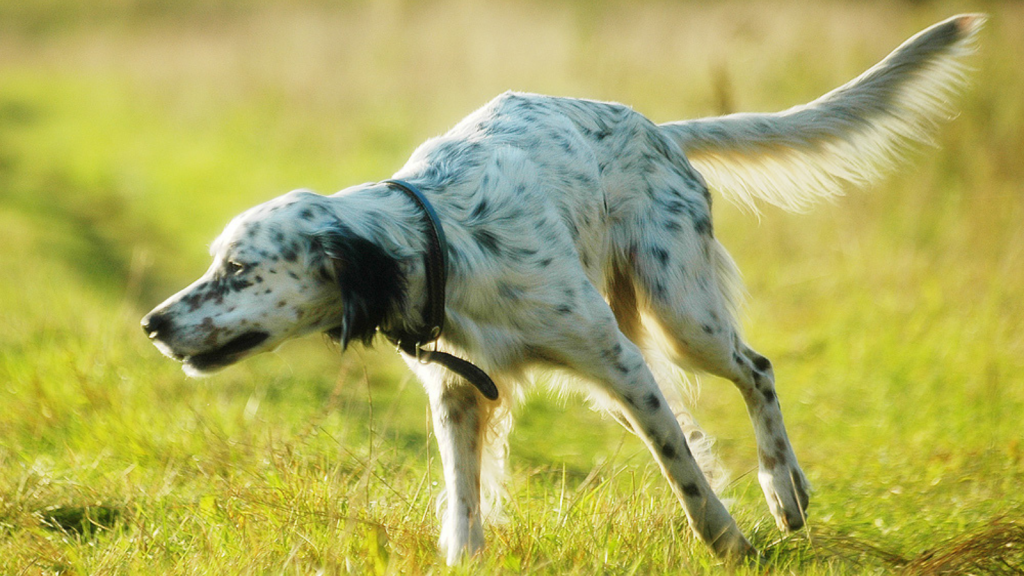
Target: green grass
(130,132)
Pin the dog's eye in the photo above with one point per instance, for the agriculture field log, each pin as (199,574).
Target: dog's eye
(235,268)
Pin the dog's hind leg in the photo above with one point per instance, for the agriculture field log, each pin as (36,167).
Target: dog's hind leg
(590,343)
(688,301)
(785,487)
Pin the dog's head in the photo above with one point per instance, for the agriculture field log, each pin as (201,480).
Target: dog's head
(282,269)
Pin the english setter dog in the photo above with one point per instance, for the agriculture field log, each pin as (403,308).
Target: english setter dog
(563,233)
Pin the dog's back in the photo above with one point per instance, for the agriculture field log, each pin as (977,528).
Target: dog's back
(600,164)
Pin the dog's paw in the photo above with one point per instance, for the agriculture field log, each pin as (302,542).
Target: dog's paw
(460,540)
(732,546)
(788,494)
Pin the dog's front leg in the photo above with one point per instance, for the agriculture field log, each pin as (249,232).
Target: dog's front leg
(459,416)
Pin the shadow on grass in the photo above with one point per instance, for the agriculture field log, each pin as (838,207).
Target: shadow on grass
(81,520)
(994,549)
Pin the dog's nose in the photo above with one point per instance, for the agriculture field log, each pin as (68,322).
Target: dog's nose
(156,325)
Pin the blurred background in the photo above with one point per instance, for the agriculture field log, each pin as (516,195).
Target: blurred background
(131,131)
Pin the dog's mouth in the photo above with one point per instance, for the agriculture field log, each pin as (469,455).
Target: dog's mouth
(227,354)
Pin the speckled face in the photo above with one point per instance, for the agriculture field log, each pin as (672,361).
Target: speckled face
(268,282)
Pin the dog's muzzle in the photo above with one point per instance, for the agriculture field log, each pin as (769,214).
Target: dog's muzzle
(160,329)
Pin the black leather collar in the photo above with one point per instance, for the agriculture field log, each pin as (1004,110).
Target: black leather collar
(436,269)
(435,262)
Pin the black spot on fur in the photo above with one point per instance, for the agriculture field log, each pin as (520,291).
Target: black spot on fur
(691,490)
(674,206)
(668,451)
(564,309)
(480,209)
(574,230)
(762,363)
(660,254)
(455,417)
(612,353)
(233,284)
(702,225)
(522,253)
(652,402)
(769,395)
(800,488)
(780,457)
(509,292)
(486,239)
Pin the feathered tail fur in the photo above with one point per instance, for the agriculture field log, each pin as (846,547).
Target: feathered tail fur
(851,135)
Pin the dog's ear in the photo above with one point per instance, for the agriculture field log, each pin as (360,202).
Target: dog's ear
(370,282)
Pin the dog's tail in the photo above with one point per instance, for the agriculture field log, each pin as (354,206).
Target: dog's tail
(851,135)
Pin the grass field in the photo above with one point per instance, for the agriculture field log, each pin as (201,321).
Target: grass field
(132,130)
